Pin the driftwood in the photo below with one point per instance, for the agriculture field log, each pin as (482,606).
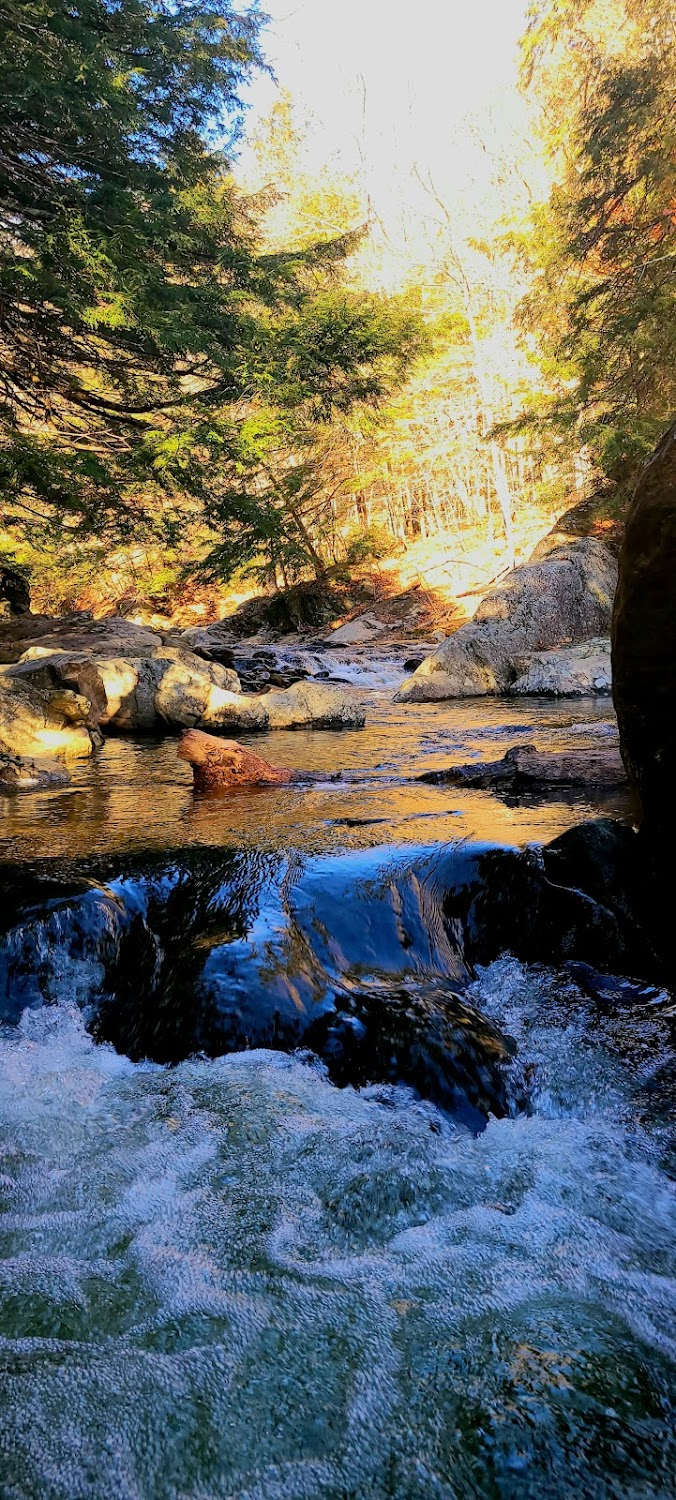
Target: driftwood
(218,764)
(524,767)
(223,763)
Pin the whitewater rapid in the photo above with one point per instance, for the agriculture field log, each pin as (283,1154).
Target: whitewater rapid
(232,1279)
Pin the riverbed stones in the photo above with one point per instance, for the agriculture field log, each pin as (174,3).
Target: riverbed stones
(18,774)
(559,601)
(644,643)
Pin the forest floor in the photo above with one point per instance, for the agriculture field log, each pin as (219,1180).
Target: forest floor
(428,585)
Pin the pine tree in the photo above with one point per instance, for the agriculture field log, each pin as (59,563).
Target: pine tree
(153,355)
(603,250)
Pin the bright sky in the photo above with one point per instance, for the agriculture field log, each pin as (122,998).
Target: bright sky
(388,82)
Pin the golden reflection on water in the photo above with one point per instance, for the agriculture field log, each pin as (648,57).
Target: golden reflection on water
(135,793)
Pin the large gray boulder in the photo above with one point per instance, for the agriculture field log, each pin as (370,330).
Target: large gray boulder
(317,705)
(129,694)
(560,600)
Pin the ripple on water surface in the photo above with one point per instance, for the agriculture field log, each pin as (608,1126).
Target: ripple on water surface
(136,793)
(231,1279)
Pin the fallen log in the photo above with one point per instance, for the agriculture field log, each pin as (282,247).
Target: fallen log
(525,768)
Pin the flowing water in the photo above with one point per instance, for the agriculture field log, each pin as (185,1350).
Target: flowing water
(231,1277)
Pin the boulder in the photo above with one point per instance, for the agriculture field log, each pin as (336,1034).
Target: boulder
(644,642)
(572,671)
(314,705)
(356,632)
(36,722)
(213,640)
(560,600)
(525,768)
(219,764)
(175,689)
(191,691)
(20,775)
(76,634)
(138,694)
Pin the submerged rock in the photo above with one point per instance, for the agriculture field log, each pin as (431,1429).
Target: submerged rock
(644,644)
(563,599)
(218,763)
(524,767)
(218,951)
(18,774)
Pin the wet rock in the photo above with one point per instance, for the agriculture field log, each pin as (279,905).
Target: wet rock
(586,897)
(562,600)
(38,722)
(613,991)
(572,671)
(18,774)
(524,768)
(220,951)
(357,632)
(644,644)
(315,705)
(426,1036)
(218,763)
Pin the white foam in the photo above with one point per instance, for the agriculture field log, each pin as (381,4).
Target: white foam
(232,1279)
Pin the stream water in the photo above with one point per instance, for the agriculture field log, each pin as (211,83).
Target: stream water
(229,1273)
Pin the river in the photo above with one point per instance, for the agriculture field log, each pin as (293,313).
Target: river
(224,1275)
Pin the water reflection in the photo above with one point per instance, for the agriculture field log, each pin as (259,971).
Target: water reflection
(137,794)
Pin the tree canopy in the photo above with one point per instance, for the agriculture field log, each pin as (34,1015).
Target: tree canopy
(602,304)
(153,354)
